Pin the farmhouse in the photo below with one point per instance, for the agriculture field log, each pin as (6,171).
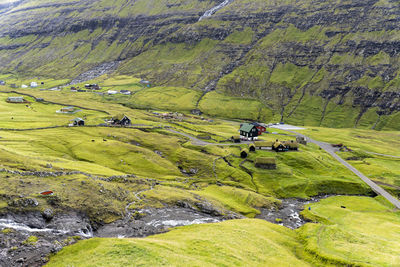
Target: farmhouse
(248,131)
(120,119)
(34,84)
(16,99)
(78,122)
(265,163)
(263,144)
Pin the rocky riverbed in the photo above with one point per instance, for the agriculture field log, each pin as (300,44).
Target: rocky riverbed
(26,239)
(289,213)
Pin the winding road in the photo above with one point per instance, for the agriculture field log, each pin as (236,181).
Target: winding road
(376,188)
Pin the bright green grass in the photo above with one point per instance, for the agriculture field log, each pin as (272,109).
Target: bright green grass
(216,104)
(365,233)
(38,114)
(384,142)
(231,243)
(171,98)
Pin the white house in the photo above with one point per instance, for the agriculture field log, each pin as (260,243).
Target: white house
(34,84)
(24,86)
(112,92)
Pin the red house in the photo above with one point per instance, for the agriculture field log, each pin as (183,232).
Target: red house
(261,129)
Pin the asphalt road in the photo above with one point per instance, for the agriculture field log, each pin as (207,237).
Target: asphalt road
(376,188)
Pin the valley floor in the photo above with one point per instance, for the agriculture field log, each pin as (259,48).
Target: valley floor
(179,169)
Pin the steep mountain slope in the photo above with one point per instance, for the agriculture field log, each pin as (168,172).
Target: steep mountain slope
(329,63)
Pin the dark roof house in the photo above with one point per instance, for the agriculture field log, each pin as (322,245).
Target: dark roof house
(121,119)
(78,122)
(248,131)
(279,146)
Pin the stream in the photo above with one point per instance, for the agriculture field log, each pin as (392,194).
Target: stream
(65,229)
(211,11)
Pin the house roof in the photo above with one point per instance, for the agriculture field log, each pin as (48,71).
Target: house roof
(120,117)
(264,143)
(246,127)
(78,119)
(265,160)
(15,99)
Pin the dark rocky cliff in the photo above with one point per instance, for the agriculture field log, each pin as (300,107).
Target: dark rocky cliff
(331,63)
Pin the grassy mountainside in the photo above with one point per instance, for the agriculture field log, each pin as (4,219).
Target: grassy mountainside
(325,63)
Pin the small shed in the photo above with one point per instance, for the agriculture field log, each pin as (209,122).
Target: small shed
(120,119)
(248,131)
(244,153)
(291,145)
(67,109)
(265,163)
(301,140)
(16,99)
(252,148)
(2,83)
(235,139)
(279,146)
(263,144)
(78,122)
(24,86)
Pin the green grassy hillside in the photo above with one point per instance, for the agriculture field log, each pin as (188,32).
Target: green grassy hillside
(343,237)
(329,63)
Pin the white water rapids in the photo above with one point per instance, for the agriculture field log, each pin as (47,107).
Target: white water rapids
(211,11)
(5,223)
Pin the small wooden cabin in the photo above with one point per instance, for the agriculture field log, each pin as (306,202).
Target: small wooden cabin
(252,148)
(235,139)
(244,153)
(291,145)
(265,163)
(279,146)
